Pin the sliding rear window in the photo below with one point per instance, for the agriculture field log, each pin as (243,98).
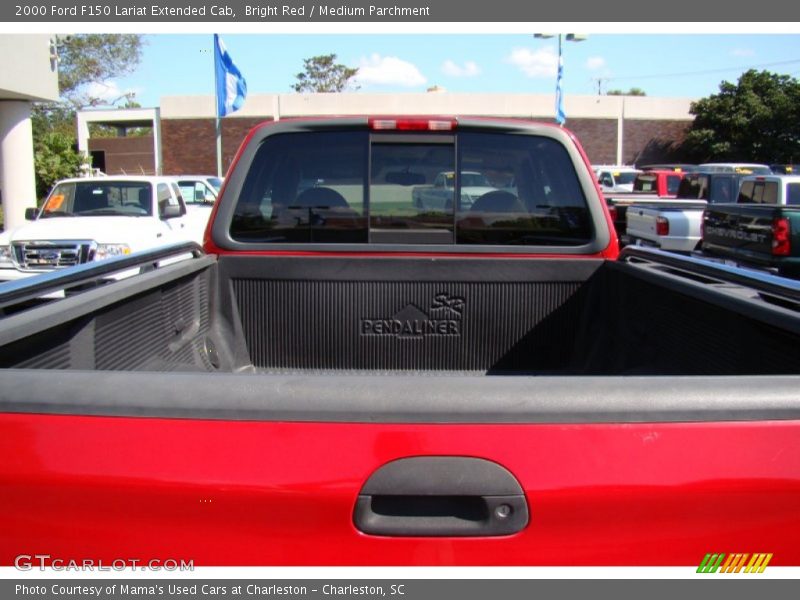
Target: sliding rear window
(404,188)
(758,192)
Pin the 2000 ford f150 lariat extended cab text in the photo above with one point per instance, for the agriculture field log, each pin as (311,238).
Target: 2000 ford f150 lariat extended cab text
(347,378)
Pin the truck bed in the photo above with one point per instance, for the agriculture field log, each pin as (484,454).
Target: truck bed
(335,315)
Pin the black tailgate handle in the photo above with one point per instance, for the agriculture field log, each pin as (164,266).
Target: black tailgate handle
(439,496)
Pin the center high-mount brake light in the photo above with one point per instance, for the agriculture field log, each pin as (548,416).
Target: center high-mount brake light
(413,124)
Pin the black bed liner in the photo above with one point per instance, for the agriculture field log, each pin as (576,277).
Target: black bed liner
(410,315)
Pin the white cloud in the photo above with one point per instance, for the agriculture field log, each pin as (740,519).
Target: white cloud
(541,63)
(595,63)
(452,69)
(388,70)
(742,52)
(107,91)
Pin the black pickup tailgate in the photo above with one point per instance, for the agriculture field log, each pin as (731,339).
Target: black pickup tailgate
(741,231)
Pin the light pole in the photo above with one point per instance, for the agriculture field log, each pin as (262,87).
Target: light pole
(561,116)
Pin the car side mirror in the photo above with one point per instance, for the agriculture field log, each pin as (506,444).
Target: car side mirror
(171,211)
(31,214)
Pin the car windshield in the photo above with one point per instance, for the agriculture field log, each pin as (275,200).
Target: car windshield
(474,180)
(105,198)
(215,182)
(625,178)
(197,191)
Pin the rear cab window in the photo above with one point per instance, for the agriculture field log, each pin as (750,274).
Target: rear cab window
(694,187)
(793,194)
(645,183)
(758,192)
(464,188)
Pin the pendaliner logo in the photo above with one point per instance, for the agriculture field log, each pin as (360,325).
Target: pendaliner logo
(443,319)
(734,563)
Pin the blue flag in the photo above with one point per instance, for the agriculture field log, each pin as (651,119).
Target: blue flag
(231,86)
(561,116)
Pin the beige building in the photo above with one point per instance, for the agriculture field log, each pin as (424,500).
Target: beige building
(612,129)
(28,72)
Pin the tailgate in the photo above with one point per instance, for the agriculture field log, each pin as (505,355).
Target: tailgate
(682,220)
(745,230)
(641,222)
(270,470)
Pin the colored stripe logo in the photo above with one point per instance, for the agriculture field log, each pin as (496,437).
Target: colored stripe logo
(734,563)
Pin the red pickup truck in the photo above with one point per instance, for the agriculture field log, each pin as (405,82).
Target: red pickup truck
(661,182)
(345,378)
(651,188)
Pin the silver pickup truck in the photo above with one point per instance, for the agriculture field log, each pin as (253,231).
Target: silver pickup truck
(677,225)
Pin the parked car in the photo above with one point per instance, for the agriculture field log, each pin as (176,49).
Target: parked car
(762,229)
(677,225)
(650,188)
(94,218)
(615,178)
(661,182)
(715,187)
(199,194)
(198,190)
(673,226)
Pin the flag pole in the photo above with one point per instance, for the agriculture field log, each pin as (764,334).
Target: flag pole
(219,147)
(560,90)
(230,90)
(218,123)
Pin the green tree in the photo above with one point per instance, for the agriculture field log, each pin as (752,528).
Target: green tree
(634,91)
(55,158)
(54,149)
(324,74)
(84,59)
(95,58)
(757,119)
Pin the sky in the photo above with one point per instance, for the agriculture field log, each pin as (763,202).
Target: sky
(670,65)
